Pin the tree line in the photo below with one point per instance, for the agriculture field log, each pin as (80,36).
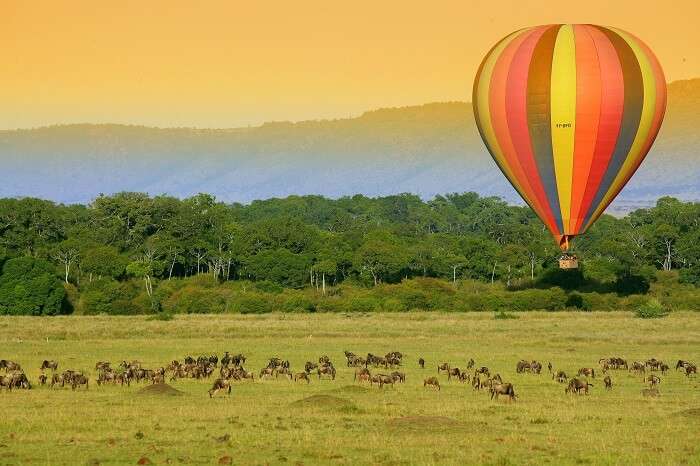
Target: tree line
(313,242)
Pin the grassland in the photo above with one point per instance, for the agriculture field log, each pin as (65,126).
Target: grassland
(266,423)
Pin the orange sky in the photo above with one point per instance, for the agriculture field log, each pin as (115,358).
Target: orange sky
(233,63)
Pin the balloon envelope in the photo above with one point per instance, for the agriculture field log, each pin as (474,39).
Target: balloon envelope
(568,112)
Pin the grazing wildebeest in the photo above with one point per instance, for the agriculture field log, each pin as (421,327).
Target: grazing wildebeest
(102,365)
(453,372)
(77,380)
(681,364)
(362,374)
(378,379)
(560,376)
(219,384)
(398,376)
(421,363)
(327,371)
(587,371)
(46,364)
(502,389)
(309,366)
(386,380)
(653,380)
(443,367)
(284,371)
(302,376)
(690,369)
(638,366)
(267,372)
(431,382)
(57,379)
(577,385)
(608,382)
(522,366)
(42,379)
(536,367)
(664,368)
(9,365)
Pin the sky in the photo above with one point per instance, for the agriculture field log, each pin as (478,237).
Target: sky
(216,64)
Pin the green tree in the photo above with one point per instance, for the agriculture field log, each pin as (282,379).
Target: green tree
(29,286)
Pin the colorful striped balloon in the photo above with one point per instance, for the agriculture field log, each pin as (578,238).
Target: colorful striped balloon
(568,112)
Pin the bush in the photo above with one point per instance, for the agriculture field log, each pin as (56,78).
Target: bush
(252,303)
(575,300)
(652,309)
(192,299)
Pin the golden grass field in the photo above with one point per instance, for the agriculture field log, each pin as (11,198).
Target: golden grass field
(264,422)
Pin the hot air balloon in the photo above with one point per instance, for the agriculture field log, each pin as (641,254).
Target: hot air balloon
(568,112)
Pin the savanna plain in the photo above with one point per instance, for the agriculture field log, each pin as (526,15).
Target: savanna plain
(278,421)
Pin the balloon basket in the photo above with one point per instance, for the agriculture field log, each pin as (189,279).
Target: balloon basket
(568,261)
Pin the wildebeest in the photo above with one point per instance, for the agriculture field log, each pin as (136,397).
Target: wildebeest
(267,372)
(378,379)
(42,379)
(9,365)
(386,380)
(608,382)
(79,379)
(362,375)
(284,371)
(302,376)
(443,367)
(483,370)
(328,371)
(653,380)
(219,384)
(638,366)
(560,376)
(522,366)
(502,389)
(536,367)
(421,363)
(398,376)
(664,368)
(587,371)
(453,372)
(690,369)
(464,377)
(431,382)
(46,364)
(578,385)
(103,365)
(470,363)
(16,379)
(310,366)
(549,366)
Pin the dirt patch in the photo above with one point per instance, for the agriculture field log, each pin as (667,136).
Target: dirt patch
(325,402)
(159,389)
(425,423)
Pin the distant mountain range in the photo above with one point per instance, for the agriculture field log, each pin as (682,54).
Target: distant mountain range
(427,150)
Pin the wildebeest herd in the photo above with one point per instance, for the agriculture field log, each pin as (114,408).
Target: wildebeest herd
(379,371)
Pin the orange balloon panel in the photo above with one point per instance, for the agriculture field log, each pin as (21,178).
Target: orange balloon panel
(568,112)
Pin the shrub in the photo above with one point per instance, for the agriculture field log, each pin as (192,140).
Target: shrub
(652,309)
(575,300)
(252,303)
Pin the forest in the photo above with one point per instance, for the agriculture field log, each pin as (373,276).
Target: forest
(131,253)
